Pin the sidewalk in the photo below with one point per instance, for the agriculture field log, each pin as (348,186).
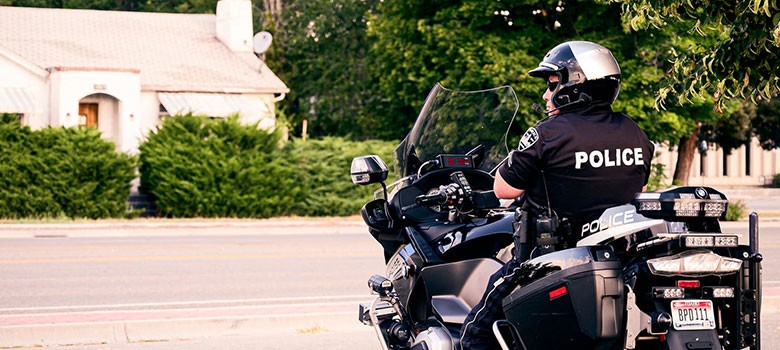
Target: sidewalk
(114,327)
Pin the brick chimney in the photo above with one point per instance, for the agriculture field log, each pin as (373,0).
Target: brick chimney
(234,24)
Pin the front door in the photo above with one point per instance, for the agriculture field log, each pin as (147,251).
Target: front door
(88,115)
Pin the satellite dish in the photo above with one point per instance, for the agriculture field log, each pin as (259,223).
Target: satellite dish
(262,41)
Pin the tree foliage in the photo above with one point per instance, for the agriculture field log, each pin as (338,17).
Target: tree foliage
(766,124)
(733,132)
(474,44)
(464,45)
(178,6)
(320,51)
(735,54)
(761,120)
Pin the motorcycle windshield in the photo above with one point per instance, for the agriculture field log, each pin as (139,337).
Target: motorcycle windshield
(455,122)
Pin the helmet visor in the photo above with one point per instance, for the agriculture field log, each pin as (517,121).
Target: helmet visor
(544,70)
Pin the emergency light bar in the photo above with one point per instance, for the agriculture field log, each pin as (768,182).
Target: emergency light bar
(681,203)
(703,240)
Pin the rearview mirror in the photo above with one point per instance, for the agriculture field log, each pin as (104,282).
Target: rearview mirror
(368,170)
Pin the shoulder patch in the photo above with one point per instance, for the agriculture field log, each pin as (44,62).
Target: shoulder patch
(529,139)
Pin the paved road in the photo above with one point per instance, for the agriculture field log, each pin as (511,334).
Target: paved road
(150,285)
(217,286)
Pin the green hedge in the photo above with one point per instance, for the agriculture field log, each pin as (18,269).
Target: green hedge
(200,167)
(736,211)
(323,169)
(57,172)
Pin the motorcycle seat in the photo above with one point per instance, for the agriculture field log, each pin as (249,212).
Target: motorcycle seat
(455,288)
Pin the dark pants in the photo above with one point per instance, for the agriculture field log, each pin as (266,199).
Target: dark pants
(477,331)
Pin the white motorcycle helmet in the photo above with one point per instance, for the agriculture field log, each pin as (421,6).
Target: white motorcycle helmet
(588,74)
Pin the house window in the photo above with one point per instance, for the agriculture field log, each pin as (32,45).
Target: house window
(725,163)
(747,159)
(88,115)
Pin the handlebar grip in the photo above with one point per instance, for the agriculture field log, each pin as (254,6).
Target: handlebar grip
(437,198)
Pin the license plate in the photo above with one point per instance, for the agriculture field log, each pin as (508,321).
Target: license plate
(693,314)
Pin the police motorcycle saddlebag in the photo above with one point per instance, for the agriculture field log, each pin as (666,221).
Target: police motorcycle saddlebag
(569,299)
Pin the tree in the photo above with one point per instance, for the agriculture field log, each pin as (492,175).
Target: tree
(320,51)
(766,124)
(733,132)
(190,6)
(761,120)
(473,44)
(730,52)
(465,45)
(736,56)
(180,6)
(272,12)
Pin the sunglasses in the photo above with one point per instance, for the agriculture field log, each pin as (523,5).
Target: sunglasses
(551,85)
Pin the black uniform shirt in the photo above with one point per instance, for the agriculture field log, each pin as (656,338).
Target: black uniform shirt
(591,160)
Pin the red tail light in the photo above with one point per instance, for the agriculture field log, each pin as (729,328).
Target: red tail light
(688,284)
(557,293)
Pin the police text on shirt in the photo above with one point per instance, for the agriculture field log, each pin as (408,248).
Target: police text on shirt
(609,158)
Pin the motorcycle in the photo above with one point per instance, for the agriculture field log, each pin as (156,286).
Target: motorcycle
(656,273)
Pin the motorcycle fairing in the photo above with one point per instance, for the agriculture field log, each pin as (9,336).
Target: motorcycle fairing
(476,237)
(404,199)
(618,226)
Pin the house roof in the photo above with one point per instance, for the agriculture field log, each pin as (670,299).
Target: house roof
(172,52)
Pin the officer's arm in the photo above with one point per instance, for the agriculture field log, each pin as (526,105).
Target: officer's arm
(503,189)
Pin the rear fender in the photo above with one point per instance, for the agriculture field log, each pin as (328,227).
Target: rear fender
(701,339)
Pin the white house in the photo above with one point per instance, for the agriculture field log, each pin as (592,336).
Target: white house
(122,71)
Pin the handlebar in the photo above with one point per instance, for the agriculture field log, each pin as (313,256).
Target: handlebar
(436,198)
(454,193)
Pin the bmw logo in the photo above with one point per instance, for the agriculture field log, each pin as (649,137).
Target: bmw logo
(701,192)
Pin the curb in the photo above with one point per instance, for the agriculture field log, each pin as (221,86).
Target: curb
(195,223)
(178,328)
(165,228)
(47,335)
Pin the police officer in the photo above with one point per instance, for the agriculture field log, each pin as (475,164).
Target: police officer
(581,160)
